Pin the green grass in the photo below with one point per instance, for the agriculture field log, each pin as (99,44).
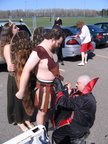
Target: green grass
(67,21)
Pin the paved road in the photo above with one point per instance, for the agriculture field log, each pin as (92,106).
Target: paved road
(97,67)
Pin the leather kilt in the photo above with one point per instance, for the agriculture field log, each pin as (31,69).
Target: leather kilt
(44,95)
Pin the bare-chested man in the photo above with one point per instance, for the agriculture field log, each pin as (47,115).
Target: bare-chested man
(44,59)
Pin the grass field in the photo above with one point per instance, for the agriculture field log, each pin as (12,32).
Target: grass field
(67,21)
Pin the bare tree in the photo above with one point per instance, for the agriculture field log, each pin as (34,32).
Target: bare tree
(50,12)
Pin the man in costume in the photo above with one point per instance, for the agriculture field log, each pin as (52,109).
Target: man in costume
(86,43)
(43,58)
(75,112)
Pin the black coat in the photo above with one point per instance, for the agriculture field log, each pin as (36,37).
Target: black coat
(84,109)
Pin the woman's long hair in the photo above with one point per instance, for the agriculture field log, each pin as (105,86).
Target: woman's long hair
(5,36)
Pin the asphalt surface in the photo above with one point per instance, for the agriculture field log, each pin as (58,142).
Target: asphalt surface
(97,66)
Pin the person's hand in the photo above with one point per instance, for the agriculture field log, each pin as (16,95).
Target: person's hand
(20,95)
(58,85)
(61,78)
(11,68)
(68,85)
(77,36)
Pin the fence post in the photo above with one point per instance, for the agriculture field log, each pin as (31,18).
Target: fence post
(34,22)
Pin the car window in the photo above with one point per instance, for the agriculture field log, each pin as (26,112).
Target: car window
(0,29)
(105,27)
(47,30)
(99,25)
(94,28)
(76,28)
(74,31)
(67,32)
(23,27)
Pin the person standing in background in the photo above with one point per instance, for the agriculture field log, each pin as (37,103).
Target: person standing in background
(86,43)
(15,111)
(57,24)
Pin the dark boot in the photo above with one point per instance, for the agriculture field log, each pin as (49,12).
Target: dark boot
(78,141)
(47,125)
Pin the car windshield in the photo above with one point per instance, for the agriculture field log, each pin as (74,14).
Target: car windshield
(94,28)
(69,32)
(23,27)
(103,25)
(74,31)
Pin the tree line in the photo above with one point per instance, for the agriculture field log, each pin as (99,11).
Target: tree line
(51,12)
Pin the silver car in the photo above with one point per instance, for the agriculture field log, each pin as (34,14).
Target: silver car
(21,25)
(71,45)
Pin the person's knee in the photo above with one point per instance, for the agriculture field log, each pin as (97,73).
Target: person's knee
(41,113)
(57,137)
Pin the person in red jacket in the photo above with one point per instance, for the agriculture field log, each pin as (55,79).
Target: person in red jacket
(75,111)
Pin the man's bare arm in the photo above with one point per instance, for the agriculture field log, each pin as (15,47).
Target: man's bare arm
(29,66)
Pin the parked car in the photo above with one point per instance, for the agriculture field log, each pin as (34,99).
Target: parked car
(102,25)
(21,25)
(98,34)
(71,45)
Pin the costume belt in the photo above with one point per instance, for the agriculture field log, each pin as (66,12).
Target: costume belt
(45,82)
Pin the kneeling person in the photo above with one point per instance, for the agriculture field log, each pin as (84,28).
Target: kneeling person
(75,112)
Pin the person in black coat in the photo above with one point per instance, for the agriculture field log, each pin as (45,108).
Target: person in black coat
(75,111)
(57,24)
